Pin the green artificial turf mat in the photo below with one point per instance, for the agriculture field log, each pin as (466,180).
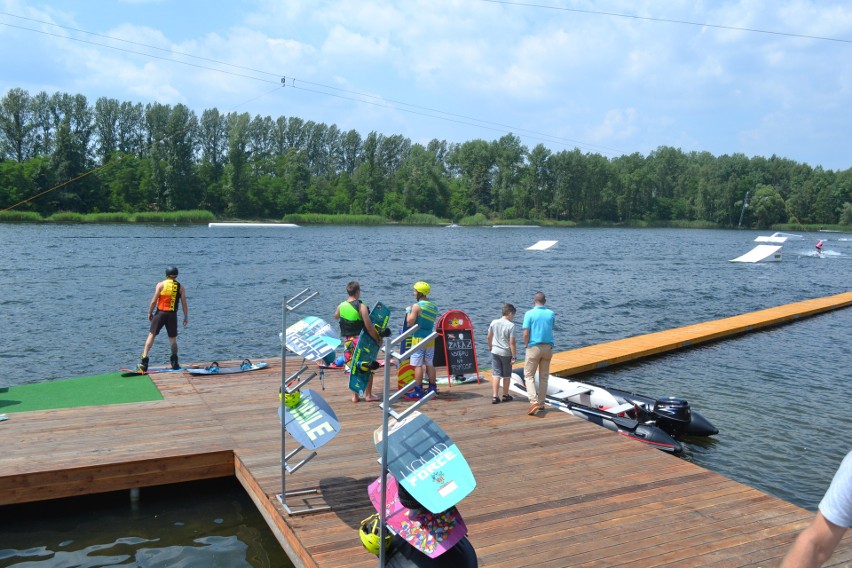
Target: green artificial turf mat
(95,390)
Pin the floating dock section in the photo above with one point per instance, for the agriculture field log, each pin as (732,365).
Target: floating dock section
(603,355)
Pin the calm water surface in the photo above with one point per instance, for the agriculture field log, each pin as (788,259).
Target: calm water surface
(206,523)
(76,298)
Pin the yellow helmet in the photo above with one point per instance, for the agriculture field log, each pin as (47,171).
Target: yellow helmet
(422,287)
(370,533)
(291,399)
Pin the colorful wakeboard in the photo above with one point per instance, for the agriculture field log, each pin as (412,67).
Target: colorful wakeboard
(215,369)
(313,338)
(363,361)
(405,372)
(312,423)
(426,462)
(430,533)
(126,372)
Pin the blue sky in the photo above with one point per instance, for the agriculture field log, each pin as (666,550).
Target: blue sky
(609,76)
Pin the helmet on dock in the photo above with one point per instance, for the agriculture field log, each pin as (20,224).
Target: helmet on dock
(370,533)
(291,399)
(422,287)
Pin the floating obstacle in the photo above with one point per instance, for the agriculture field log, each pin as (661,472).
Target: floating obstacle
(777,238)
(542,245)
(253,225)
(761,253)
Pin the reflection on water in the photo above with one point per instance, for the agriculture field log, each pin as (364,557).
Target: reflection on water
(206,523)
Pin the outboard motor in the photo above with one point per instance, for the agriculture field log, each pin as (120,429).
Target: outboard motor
(673,415)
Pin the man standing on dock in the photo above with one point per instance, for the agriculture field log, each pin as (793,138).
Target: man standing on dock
(162,311)
(538,340)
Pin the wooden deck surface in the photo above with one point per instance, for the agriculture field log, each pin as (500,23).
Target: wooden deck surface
(553,490)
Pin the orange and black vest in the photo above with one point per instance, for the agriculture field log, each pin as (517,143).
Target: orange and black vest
(169,296)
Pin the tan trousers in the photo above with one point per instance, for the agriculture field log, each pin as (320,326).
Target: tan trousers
(537,357)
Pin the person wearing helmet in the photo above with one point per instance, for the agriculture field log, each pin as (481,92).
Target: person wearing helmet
(354,317)
(423,313)
(162,312)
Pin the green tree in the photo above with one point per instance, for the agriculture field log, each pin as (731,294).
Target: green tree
(768,207)
(17,129)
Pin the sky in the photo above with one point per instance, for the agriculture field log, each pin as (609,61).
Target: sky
(612,77)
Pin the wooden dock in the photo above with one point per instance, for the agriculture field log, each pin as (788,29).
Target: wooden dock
(602,355)
(553,490)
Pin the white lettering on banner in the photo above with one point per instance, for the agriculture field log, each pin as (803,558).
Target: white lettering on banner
(425,472)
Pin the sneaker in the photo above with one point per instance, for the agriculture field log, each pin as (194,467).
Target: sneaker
(143,365)
(174,361)
(414,393)
(533,409)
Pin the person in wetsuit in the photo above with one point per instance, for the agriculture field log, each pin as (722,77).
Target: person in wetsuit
(162,312)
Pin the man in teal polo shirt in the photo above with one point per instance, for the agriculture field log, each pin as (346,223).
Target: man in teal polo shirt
(538,340)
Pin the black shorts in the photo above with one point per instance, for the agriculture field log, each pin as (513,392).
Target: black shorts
(167,319)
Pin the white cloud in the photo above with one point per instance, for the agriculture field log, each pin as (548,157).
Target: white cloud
(593,79)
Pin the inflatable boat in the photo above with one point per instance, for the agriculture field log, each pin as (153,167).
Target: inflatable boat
(653,421)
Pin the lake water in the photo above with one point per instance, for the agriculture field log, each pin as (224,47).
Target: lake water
(76,299)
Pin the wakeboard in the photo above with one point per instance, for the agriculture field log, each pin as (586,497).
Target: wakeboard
(426,462)
(312,422)
(126,372)
(405,372)
(363,361)
(430,533)
(214,368)
(313,338)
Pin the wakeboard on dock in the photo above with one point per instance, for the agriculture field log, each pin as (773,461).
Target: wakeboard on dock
(313,338)
(312,422)
(215,369)
(426,462)
(405,371)
(127,372)
(431,533)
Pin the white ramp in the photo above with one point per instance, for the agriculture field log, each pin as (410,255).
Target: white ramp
(765,253)
(542,245)
(777,238)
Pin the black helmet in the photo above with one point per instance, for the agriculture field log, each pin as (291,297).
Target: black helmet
(171,271)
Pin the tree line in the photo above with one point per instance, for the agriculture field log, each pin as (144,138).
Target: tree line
(118,156)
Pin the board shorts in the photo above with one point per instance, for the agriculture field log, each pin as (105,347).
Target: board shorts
(501,366)
(349,344)
(424,356)
(167,319)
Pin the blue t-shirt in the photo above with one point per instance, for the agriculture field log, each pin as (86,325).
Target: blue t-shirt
(539,321)
(836,504)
